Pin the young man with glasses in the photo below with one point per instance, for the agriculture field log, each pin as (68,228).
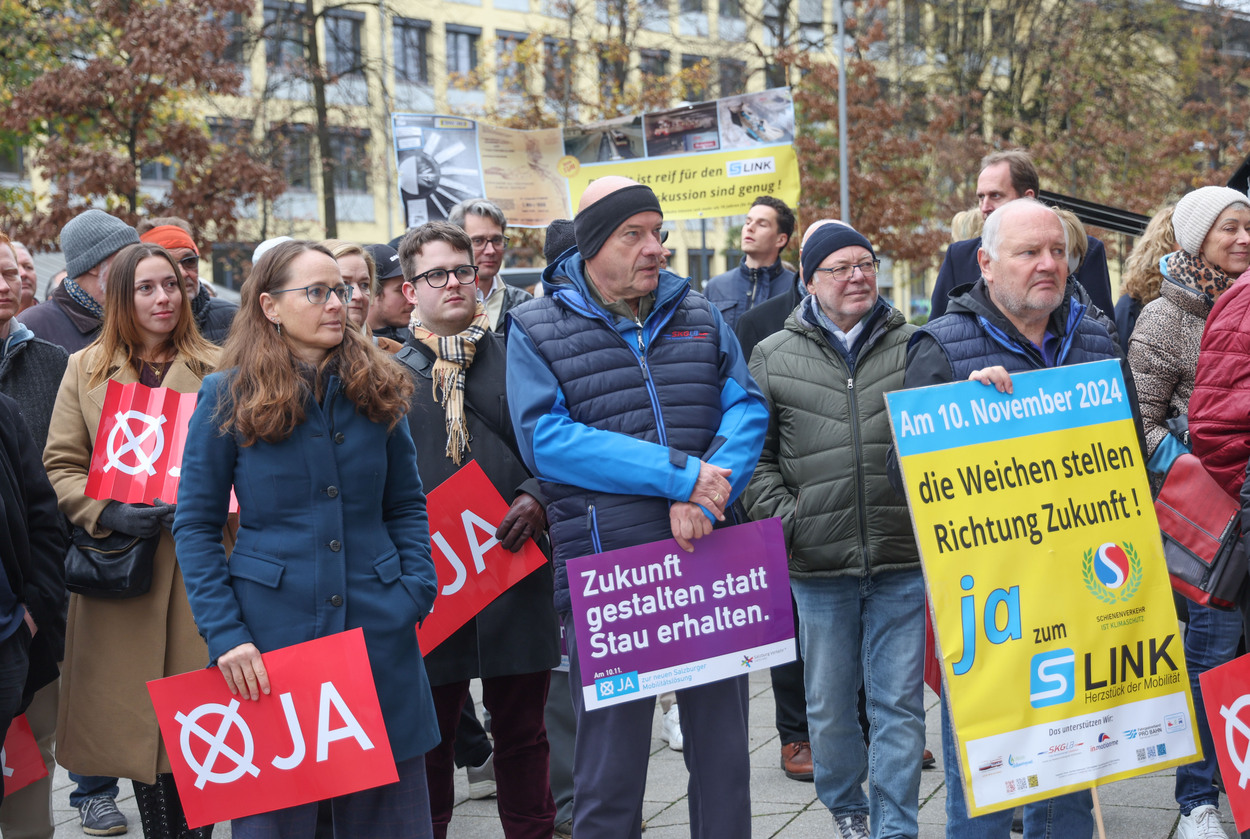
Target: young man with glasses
(854,569)
(513,643)
(212,314)
(486,226)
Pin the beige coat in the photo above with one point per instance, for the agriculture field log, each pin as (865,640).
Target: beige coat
(105,723)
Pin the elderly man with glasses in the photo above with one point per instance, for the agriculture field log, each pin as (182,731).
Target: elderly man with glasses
(854,569)
(486,226)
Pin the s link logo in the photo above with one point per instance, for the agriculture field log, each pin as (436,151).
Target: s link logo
(754,166)
(1052,678)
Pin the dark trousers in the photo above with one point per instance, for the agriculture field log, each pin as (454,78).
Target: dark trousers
(561,735)
(472,744)
(789,695)
(523,787)
(395,811)
(14,662)
(614,746)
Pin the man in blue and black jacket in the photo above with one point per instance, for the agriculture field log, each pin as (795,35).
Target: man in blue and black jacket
(633,406)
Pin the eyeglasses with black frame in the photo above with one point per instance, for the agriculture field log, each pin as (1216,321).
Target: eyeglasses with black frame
(319,294)
(498,242)
(437,277)
(842,273)
(190,261)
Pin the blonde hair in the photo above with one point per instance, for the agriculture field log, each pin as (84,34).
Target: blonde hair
(967,225)
(1078,239)
(1141,270)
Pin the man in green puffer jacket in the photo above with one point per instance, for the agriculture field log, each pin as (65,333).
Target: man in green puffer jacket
(854,568)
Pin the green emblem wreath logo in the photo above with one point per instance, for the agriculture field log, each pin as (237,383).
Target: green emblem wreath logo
(1112,572)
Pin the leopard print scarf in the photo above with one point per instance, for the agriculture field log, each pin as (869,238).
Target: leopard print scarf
(1195,272)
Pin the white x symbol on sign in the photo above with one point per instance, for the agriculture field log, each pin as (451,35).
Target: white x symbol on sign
(143,461)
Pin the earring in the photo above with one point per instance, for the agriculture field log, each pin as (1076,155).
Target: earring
(279,325)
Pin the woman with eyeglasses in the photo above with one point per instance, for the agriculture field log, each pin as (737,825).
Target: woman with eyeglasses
(305,421)
(106,725)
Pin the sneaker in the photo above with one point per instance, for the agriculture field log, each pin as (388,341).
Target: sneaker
(671,729)
(1201,823)
(852,826)
(482,779)
(100,817)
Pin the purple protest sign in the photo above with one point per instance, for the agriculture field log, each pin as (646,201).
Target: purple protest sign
(655,618)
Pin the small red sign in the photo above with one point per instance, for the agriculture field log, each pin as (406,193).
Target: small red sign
(473,568)
(318,734)
(1226,695)
(138,445)
(20,760)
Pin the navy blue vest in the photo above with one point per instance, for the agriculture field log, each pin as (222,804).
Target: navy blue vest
(672,399)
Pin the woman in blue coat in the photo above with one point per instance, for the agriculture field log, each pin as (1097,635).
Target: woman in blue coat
(305,422)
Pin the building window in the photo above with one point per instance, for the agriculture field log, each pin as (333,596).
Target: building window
(692,7)
(236,36)
(557,58)
(731,9)
(509,72)
(284,37)
(733,77)
(410,50)
(295,152)
(12,162)
(653,64)
(236,133)
(694,78)
(161,169)
(344,57)
(462,49)
(775,74)
(349,149)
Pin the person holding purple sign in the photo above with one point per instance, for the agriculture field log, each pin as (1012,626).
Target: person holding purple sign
(854,569)
(634,408)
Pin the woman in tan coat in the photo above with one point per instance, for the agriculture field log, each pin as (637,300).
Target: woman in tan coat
(105,724)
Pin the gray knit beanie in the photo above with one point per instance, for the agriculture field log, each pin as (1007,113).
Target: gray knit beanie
(92,237)
(1197,211)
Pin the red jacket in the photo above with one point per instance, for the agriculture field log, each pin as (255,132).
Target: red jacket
(1219,410)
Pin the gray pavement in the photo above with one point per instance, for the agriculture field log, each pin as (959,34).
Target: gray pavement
(1140,808)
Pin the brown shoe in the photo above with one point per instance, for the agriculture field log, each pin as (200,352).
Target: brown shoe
(796,761)
(927,760)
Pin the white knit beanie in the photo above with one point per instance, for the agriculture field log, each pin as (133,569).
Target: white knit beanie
(1197,211)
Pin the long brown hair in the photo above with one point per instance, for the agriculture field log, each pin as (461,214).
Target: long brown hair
(267,393)
(120,333)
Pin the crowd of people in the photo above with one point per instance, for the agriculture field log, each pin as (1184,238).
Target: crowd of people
(616,408)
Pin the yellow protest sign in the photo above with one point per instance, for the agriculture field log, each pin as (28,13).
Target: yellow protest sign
(704,185)
(1061,658)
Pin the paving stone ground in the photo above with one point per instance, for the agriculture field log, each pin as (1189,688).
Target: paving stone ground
(1140,808)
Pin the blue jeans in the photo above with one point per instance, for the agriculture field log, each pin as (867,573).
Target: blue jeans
(869,628)
(1211,638)
(1068,816)
(91,786)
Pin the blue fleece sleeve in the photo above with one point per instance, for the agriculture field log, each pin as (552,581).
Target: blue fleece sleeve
(557,448)
(744,414)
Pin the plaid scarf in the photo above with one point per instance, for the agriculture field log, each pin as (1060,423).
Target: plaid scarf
(454,355)
(80,296)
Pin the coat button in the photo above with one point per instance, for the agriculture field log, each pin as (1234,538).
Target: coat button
(333,492)
(336,600)
(335,545)
(339,438)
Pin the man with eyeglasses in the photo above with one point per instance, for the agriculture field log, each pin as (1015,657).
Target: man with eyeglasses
(459,415)
(854,570)
(633,407)
(761,276)
(486,226)
(212,314)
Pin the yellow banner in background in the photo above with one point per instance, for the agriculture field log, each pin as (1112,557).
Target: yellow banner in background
(1061,656)
(705,185)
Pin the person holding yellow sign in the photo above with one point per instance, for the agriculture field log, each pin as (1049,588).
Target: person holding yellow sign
(1025,313)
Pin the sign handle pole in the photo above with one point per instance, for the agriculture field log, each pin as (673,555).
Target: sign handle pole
(1102,831)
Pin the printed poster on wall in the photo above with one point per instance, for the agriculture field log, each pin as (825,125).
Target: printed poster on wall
(704,160)
(1055,624)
